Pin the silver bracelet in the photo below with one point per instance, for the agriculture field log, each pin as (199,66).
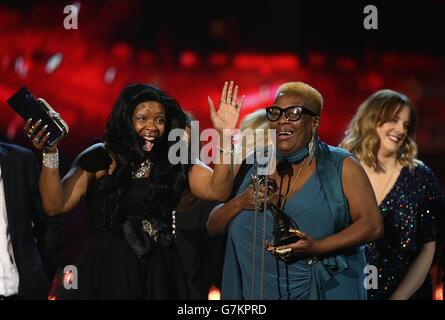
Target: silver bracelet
(51,160)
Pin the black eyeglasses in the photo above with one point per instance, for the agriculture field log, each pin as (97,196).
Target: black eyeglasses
(292,113)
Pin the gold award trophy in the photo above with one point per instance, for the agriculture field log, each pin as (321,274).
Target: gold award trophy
(284,232)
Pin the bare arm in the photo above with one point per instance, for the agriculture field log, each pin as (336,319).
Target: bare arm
(212,185)
(208,184)
(222,214)
(416,274)
(62,196)
(217,184)
(366,224)
(57,196)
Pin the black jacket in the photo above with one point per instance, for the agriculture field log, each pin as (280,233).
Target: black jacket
(36,239)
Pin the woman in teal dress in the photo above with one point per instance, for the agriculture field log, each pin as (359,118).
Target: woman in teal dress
(326,195)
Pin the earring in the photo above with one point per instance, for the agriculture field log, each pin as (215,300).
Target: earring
(312,147)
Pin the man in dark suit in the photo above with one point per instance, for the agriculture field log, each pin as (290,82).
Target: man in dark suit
(30,242)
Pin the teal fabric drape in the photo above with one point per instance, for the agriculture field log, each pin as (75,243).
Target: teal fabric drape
(346,268)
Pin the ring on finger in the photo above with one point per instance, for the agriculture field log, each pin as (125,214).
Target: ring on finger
(36,140)
(28,133)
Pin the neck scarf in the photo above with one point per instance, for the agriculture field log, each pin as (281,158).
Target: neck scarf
(294,157)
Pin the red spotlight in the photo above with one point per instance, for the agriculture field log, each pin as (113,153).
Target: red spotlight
(53,289)
(218,59)
(317,59)
(188,59)
(214,293)
(122,51)
(267,63)
(438,292)
(285,62)
(146,58)
(375,81)
(346,64)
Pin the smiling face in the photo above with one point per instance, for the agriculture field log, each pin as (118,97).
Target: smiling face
(293,135)
(393,133)
(149,123)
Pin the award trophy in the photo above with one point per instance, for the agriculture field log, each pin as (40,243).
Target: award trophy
(283,231)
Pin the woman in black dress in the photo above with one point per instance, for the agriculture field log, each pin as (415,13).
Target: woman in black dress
(132,190)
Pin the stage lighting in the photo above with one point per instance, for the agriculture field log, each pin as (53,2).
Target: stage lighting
(110,75)
(53,63)
(21,67)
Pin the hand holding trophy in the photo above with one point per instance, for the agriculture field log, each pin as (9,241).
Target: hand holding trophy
(284,233)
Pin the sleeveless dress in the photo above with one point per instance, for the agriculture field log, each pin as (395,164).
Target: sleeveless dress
(138,258)
(253,273)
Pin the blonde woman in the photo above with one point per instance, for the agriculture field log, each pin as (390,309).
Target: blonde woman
(381,135)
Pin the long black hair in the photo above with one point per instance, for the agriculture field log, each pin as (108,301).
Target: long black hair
(121,139)
(125,146)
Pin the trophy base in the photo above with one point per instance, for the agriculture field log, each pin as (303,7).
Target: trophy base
(284,240)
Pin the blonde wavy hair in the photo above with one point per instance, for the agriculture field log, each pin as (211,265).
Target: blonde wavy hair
(253,121)
(362,139)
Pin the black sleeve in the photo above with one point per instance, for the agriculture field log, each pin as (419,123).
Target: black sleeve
(94,159)
(48,231)
(431,210)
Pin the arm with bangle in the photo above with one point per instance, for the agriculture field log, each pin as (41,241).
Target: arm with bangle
(216,184)
(61,195)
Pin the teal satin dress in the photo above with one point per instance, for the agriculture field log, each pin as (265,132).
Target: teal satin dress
(319,209)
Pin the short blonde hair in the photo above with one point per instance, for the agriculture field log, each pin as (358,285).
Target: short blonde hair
(310,95)
(361,137)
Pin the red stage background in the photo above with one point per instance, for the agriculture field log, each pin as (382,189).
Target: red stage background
(190,54)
